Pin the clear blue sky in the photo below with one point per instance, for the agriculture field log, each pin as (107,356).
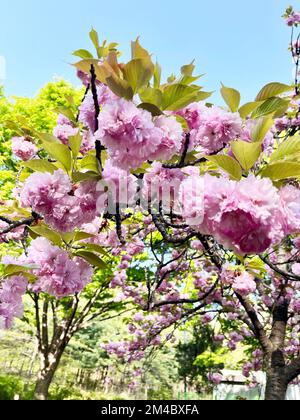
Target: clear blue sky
(241,43)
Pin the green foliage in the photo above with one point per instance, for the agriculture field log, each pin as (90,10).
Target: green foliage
(38,114)
(199,343)
(271,90)
(232,98)
(246,153)
(141,76)
(228,164)
(10,386)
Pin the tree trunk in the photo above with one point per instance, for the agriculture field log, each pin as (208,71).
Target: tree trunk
(277,385)
(277,381)
(46,375)
(43,383)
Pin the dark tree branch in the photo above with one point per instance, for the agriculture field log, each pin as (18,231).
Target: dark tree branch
(258,327)
(24,222)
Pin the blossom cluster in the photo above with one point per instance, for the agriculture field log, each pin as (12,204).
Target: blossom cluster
(23,148)
(132,137)
(212,128)
(245,216)
(56,272)
(11,305)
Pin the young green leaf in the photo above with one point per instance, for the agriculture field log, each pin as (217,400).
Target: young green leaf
(138,73)
(178,96)
(47,233)
(91,258)
(232,97)
(228,164)
(261,128)
(59,152)
(248,108)
(287,150)
(75,144)
(270,106)
(246,153)
(82,54)
(94,38)
(271,90)
(39,165)
(281,170)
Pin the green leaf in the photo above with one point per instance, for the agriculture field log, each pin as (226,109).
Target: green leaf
(120,87)
(261,128)
(59,152)
(97,248)
(286,149)
(138,73)
(89,163)
(48,138)
(15,270)
(137,51)
(157,76)
(151,96)
(91,258)
(270,106)
(178,96)
(228,164)
(85,176)
(246,153)
(94,38)
(232,98)
(80,236)
(83,54)
(271,90)
(47,233)
(85,66)
(188,70)
(183,122)
(281,170)
(75,144)
(248,108)
(153,109)
(66,112)
(201,96)
(39,165)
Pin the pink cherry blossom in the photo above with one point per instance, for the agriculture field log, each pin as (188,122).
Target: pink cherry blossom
(23,148)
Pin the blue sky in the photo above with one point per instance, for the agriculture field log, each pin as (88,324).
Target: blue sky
(241,43)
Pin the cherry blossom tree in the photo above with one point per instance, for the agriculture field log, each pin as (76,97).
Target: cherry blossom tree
(203,200)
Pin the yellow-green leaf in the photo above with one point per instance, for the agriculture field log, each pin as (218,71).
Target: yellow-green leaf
(138,51)
(281,170)
(261,128)
(248,108)
(246,153)
(89,163)
(188,70)
(91,258)
(287,149)
(271,90)
(120,87)
(39,165)
(94,38)
(270,106)
(232,97)
(153,109)
(228,164)
(83,54)
(138,73)
(47,233)
(75,144)
(151,96)
(59,152)
(178,96)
